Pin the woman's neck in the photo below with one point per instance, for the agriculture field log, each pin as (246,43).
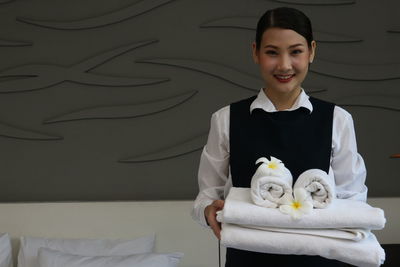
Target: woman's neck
(282,101)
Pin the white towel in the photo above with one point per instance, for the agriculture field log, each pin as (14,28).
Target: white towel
(319,185)
(344,233)
(366,253)
(269,186)
(342,213)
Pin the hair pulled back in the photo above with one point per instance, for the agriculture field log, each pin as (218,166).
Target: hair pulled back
(285,18)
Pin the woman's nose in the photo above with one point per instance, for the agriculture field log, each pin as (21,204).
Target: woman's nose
(284,63)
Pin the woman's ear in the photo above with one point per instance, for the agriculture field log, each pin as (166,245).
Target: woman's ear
(313,48)
(255,52)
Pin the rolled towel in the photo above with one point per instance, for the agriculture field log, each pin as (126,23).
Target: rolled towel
(270,183)
(342,213)
(366,253)
(319,185)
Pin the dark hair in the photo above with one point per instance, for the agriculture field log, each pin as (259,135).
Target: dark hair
(285,18)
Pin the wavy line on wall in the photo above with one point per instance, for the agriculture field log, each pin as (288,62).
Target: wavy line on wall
(393,31)
(41,76)
(182,149)
(246,23)
(316,91)
(116,16)
(369,106)
(316,2)
(380,101)
(326,37)
(356,72)
(249,23)
(6,1)
(9,131)
(219,71)
(14,43)
(124,111)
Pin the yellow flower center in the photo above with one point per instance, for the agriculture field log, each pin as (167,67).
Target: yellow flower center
(272,165)
(296,205)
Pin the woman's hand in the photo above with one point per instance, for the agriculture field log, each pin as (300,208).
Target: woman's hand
(210,212)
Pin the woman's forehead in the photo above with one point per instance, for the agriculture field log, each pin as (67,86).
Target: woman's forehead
(282,38)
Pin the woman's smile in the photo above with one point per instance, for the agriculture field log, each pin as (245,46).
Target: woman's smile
(284,78)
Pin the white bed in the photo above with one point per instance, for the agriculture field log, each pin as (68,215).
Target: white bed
(169,220)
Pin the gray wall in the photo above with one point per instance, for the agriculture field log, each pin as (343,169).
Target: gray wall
(111,100)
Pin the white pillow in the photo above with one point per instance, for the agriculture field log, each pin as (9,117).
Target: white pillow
(5,251)
(28,253)
(52,258)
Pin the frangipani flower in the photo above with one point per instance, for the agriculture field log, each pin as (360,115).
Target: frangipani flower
(271,166)
(297,207)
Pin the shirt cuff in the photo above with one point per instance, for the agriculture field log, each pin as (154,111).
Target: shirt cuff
(201,218)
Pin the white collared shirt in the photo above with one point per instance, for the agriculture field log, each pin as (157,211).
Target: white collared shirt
(263,102)
(346,165)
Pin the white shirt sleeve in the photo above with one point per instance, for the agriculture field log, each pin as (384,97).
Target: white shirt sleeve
(347,164)
(214,165)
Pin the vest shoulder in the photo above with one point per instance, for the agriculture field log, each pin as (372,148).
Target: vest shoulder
(317,101)
(246,101)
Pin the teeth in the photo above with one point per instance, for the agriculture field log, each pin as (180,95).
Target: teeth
(284,77)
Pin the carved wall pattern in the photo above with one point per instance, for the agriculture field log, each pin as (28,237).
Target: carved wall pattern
(111,100)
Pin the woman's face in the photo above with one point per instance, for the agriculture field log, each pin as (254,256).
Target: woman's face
(283,58)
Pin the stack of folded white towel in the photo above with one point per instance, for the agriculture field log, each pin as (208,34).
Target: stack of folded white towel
(258,218)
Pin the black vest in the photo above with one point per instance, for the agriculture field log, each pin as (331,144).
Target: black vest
(302,140)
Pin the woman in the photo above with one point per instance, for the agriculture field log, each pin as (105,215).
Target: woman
(281,121)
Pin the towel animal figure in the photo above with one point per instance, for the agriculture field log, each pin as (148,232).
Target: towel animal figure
(271,182)
(319,185)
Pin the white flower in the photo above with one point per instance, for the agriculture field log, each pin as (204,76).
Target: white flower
(271,166)
(297,207)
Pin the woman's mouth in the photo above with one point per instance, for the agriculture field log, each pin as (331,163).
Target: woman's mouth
(284,78)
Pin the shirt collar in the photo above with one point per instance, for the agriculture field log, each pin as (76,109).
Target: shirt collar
(262,101)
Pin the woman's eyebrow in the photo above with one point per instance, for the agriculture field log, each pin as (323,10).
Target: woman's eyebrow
(271,46)
(275,47)
(295,45)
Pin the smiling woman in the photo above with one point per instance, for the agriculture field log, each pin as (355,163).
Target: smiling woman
(283,57)
(284,48)
(283,122)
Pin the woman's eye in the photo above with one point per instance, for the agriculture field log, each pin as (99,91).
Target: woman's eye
(271,52)
(297,51)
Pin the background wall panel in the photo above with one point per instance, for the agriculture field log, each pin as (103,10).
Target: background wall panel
(111,100)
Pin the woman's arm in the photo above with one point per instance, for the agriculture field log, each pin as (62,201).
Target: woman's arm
(214,168)
(348,166)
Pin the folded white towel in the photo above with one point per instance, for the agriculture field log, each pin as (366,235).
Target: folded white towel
(366,253)
(270,183)
(342,213)
(344,233)
(319,185)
